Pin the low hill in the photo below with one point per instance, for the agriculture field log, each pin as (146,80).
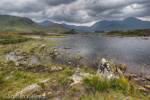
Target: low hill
(137,32)
(45,23)
(14,23)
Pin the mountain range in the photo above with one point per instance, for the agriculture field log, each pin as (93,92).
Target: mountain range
(14,23)
(104,25)
(127,24)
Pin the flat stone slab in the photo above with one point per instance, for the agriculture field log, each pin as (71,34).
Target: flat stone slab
(133,75)
(32,88)
(141,88)
(8,77)
(147,86)
(44,81)
(139,79)
(77,77)
(147,78)
(29,89)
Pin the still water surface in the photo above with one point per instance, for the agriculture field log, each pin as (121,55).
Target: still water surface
(134,52)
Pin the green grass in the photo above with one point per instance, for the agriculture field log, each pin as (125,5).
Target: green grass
(101,84)
(19,80)
(97,83)
(13,40)
(64,80)
(121,84)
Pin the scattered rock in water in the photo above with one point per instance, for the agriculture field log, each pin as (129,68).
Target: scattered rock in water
(138,79)
(54,53)
(1,68)
(85,67)
(26,57)
(106,70)
(79,57)
(130,76)
(29,89)
(42,46)
(21,59)
(121,66)
(147,86)
(17,64)
(144,38)
(147,78)
(55,68)
(141,88)
(30,65)
(67,47)
(18,53)
(69,63)
(133,75)
(25,53)
(8,77)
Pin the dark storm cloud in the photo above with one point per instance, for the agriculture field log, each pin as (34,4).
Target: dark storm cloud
(57,2)
(76,11)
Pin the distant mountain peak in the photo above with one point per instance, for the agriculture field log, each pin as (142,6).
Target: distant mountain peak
(132,19)
(45,23)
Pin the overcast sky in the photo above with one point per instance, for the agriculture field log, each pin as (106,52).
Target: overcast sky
(84,12)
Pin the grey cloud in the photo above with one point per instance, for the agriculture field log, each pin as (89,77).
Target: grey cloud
(57,2)
(76,11)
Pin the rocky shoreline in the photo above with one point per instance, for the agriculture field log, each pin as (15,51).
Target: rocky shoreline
(75,77)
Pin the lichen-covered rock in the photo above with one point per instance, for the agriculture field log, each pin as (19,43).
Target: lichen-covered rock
(106,70)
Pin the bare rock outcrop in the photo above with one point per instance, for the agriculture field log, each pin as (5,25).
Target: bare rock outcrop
(107,70)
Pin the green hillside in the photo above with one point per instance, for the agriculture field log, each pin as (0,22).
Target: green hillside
(14,23)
